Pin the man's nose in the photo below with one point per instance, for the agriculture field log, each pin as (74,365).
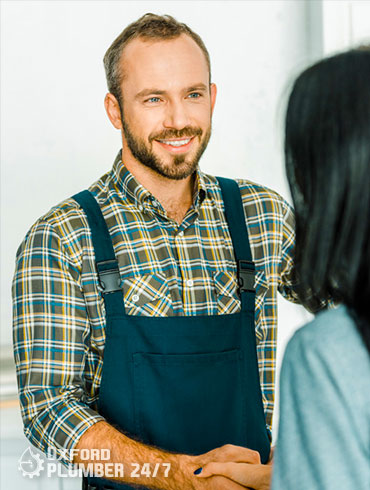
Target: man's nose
(176,115)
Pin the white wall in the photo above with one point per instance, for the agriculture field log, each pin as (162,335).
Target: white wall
(345,23)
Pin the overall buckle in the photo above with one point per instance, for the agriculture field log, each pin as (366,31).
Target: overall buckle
(246,275)
(109,277)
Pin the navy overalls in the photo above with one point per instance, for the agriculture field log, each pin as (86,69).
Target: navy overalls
(186,384)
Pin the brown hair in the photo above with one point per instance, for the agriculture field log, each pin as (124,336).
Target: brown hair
(149,26)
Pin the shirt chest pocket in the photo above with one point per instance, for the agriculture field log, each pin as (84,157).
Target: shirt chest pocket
(227,298)
(261,286)
(228,301)
(147,295)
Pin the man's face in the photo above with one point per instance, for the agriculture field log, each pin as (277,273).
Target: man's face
(167,105)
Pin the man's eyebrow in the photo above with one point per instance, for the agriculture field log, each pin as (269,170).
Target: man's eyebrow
(149,91)
(155,91)
(199,86)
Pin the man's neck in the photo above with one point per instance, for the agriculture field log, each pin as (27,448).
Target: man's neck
(175,196)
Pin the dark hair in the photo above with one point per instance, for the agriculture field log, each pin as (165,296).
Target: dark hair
(149,26)
(327,153)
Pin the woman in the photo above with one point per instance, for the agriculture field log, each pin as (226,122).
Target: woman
(324,431)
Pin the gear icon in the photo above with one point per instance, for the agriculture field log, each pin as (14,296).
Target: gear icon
(30,463)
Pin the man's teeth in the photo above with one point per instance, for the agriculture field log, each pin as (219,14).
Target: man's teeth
(176,143)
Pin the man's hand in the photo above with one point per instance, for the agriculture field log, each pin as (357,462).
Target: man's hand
(230,453)
(233,464)
(216,482)
(256,476)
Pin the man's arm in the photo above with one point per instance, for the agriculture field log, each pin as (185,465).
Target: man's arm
(51,334)
(286,276)
(180,476)
(171,468)
(287,281)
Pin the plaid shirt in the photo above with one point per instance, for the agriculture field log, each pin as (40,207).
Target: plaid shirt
(167,269)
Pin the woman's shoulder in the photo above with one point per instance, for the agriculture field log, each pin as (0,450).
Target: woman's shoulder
(331,331)
(331,348)
(324,407)
(324,317)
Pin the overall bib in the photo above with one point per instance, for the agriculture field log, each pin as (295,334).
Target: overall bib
(186,384)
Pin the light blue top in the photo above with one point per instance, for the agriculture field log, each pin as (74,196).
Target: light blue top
(324,430)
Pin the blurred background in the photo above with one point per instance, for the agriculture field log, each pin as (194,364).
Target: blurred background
(56,138)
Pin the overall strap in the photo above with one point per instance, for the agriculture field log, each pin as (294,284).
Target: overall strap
(235,217)
(105,259)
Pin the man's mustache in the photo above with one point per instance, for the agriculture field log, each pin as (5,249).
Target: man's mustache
(187,132)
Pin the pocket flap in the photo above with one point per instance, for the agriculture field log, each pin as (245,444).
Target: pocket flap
(228,297)
(225,284)
(144,289)
(261,286)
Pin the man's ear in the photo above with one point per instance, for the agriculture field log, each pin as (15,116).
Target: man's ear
(113,110)
(213,96)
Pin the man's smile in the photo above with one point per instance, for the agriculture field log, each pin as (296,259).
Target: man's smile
(176,145)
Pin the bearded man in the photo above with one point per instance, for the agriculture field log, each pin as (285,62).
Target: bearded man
(145,308)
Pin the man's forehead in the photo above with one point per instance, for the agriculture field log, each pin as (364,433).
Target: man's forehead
(164,59)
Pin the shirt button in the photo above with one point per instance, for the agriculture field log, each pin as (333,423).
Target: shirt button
(135,298)
(141,208)
(181,233)
(155,204)
(190,283)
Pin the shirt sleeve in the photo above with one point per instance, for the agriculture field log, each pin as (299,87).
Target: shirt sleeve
(318,444)
(286,281)
(51,336)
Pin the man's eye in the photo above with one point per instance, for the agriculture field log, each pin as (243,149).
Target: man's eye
(194,95)
(153,99)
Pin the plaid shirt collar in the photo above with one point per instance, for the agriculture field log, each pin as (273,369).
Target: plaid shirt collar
(131,189)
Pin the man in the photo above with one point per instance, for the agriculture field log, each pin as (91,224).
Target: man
(171,274)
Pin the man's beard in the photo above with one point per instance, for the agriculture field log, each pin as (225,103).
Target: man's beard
(181,167)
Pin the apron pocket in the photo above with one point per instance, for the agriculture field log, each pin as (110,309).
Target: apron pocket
(190,403)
